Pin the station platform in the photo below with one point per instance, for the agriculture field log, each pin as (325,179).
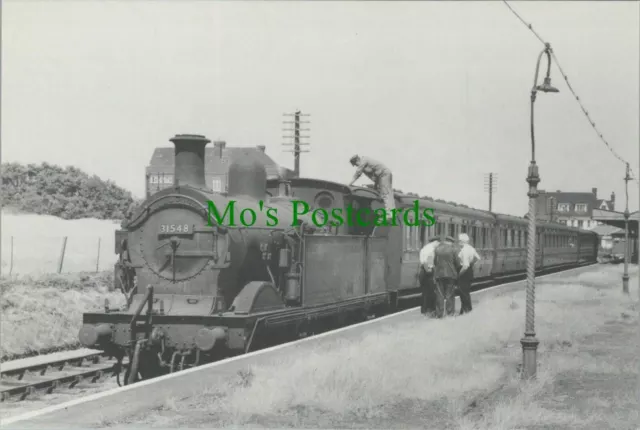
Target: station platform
(402,370)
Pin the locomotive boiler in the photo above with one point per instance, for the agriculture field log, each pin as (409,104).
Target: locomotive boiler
(191,281)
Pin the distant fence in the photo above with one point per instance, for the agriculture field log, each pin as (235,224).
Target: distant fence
(63,254)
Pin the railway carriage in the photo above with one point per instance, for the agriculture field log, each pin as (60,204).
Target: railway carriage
(199,289)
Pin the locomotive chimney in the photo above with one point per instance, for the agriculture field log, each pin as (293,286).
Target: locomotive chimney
(189,159)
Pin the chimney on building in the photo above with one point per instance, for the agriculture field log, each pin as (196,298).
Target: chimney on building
(189,159)
(594,191)
(218,146)
(558,191)
(262,148)
(613,201)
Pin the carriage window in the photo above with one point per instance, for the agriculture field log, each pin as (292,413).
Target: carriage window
(439,228)
(474,236)
(526,235)
(463,229)
(452,230)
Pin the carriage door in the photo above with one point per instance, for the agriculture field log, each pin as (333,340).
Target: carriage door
(410,252)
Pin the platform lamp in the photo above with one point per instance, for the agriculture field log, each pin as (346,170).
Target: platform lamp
(529,342)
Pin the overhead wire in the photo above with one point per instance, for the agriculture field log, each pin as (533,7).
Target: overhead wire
(566,79)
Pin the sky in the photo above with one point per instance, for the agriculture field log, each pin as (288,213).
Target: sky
(438,91)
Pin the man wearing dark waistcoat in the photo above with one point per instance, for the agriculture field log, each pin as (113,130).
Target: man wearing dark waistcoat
(446,269)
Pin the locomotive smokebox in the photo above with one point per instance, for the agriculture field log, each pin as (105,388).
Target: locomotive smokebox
(247,177)
(189,159)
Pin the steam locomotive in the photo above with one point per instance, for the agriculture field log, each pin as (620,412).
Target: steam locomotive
(199,290)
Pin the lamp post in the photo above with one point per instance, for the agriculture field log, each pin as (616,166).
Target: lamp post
(529,342)
(625,276)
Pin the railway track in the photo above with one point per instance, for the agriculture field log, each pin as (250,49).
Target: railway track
(24,378)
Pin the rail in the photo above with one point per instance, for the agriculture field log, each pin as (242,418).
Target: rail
(64,371)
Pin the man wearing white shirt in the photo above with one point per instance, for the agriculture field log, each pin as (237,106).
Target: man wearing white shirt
(468,258)
(427,282)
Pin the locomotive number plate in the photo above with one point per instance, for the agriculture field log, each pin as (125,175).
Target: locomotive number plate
(175,229)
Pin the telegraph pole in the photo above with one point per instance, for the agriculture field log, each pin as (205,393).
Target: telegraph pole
(625,276)
(490,185)
(296,139)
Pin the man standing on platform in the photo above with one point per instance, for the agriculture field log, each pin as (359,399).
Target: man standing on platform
(447,266)
(427,282)
(468,258)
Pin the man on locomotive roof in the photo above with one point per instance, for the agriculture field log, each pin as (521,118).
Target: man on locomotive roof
(381,177)
(468,258)
(446,268)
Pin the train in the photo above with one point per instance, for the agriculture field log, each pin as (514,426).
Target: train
(199,290)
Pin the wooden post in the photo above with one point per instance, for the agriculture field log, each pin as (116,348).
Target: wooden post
(61,259)
(98,261)
(11,261)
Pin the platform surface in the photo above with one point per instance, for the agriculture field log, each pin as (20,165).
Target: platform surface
(123,404)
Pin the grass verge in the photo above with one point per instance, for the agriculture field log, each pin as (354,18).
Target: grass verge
(455,373)
(42,314)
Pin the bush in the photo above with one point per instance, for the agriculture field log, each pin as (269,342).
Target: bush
(67,193)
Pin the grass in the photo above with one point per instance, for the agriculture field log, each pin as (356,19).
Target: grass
(37,242)
(456,373)
(42,314)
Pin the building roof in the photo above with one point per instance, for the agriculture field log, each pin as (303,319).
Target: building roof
(571,197)
(163,159)
(608,204)
(606,230)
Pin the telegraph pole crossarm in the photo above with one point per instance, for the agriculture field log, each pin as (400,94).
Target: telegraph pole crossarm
(296,138)
(490,184)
